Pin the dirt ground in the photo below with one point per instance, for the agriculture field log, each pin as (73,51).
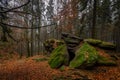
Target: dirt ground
(37,68)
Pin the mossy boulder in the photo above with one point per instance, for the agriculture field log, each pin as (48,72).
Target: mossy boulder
(71,41)
(79,54)
(51,44)
(100,44)
(59,57)
(85,56)
(93,41)
(107,61)
(107,45)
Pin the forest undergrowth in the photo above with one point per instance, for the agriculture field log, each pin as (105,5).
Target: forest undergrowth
(37,68)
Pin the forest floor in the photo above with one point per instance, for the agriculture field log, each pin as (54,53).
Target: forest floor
(37,68)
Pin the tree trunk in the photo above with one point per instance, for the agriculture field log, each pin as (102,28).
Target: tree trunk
(32,38)
(93,32)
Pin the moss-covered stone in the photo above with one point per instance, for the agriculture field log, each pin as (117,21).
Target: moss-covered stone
(59,42)
(59,57)
(93,41)
(51,44)
(101,44)
(105,61)
(86,56)
(72,41)
(107,45)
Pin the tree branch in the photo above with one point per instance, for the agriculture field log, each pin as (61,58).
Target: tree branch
(15,7)
(14,26)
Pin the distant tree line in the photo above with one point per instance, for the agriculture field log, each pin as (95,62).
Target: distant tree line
(38,20)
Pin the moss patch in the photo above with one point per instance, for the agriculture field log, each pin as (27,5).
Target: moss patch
(107,45)
(100,44)
(86,56)
(51,44)
(105,61)
(93,41)
(59,56)
(40,59)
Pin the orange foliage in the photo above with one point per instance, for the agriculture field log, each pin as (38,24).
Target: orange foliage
(25,69)
(67,15)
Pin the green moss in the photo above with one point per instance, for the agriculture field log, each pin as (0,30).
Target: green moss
(59,56)
(105,61)
(107,45)
(62,68)
(101,44)
(93,41)
(61,77)
(51,44)
(86,56)
(40,59)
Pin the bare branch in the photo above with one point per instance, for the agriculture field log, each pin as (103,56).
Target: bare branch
(14,26)
(15,7)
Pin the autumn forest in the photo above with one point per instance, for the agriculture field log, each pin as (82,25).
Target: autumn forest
(59,40)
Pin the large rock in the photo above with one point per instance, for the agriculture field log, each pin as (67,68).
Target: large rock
(93,41)
(51,44)
(106,61)
(107,45)
(77,53)
(85,56)
(100,44)
(59,57)
(71,42)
